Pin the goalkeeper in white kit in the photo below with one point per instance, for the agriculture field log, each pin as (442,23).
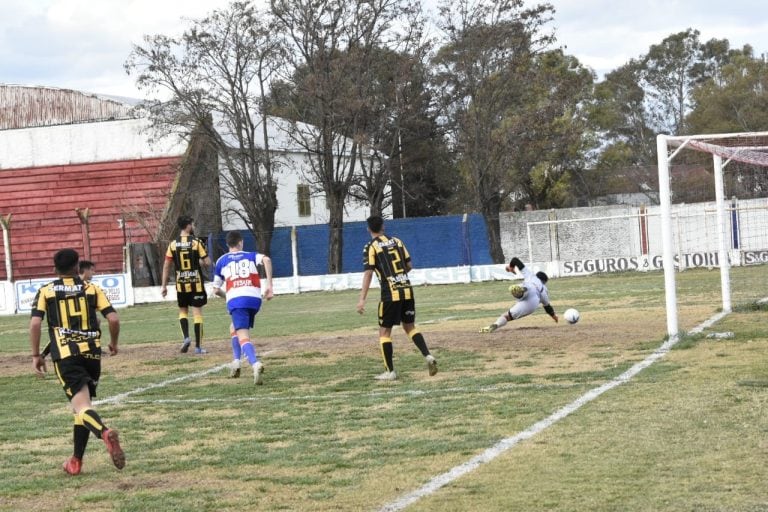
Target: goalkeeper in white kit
(529,295)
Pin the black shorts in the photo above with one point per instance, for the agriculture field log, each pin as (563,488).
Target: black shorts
(74,372)
(194,299)
(392,313)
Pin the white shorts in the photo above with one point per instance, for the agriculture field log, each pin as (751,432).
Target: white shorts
(524,306)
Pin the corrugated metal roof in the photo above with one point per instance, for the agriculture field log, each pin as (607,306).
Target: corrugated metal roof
(24,106)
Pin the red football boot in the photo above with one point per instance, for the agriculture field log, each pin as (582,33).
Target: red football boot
(73,465)
(110,438)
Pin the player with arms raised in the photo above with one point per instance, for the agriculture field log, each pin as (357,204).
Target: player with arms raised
(532,293)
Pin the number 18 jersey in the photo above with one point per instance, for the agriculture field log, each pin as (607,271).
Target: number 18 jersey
(237,273)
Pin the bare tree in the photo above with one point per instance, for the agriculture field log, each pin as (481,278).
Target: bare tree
(333,45)
(217,75)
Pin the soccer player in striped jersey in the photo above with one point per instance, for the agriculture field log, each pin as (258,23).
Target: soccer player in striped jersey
(236,278)
(532,293)
(187,252)
(71,306)
(86,270)
(388,257)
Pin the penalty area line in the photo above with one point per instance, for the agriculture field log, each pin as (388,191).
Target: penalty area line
(505,444)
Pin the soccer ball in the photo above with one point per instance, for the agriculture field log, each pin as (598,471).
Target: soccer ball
(571,316)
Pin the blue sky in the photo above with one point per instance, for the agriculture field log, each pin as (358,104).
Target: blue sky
(82,44)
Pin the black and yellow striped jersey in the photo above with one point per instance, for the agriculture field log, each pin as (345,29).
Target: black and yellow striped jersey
(71,306)
(389,258)
(186,252)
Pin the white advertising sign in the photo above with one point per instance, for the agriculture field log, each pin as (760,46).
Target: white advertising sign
(114,286)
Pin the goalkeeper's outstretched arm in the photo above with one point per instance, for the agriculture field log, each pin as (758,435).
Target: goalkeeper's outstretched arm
(515,265)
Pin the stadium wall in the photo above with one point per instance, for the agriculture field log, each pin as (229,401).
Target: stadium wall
(572,241)
(453,240)
(454,249)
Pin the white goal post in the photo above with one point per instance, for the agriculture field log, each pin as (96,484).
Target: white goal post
(750,148)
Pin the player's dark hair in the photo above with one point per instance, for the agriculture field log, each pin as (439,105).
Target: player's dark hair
(375,223)
(85,265)
(542,277)
(234,238)
(184,220)
(65,261)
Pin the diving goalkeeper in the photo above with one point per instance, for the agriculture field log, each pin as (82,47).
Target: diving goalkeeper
(529,295)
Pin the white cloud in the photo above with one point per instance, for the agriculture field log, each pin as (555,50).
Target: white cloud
(82,44)
(605,35)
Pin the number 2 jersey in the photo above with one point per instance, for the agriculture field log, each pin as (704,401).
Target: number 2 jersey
(71,306)
(237,273)
(388,257)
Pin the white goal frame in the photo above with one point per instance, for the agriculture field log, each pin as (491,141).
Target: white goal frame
(742,153)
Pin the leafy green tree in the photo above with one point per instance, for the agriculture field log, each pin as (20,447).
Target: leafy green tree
(548,132)
(736,101)
(479,69)
(618,118)
(653,94)
(668,78)
(421,176)
(512,106)
(619,114)
(400,125)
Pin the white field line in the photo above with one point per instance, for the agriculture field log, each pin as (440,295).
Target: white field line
(122,396)
(507,443)
(438,320)
(462,469)
(340,396)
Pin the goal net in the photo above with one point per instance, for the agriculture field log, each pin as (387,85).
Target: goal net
(731,234)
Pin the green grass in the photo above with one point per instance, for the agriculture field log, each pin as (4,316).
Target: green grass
(687,433)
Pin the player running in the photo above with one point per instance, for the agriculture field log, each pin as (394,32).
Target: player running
(71,305)
(237,272)
(529,295)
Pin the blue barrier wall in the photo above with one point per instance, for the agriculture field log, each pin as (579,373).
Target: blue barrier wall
(281,249)
(432,242)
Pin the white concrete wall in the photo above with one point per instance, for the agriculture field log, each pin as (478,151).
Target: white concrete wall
(295,167)
(83,143)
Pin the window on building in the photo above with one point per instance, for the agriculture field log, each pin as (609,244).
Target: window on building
(302,196)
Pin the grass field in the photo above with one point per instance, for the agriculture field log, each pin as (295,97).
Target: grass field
(687,433)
